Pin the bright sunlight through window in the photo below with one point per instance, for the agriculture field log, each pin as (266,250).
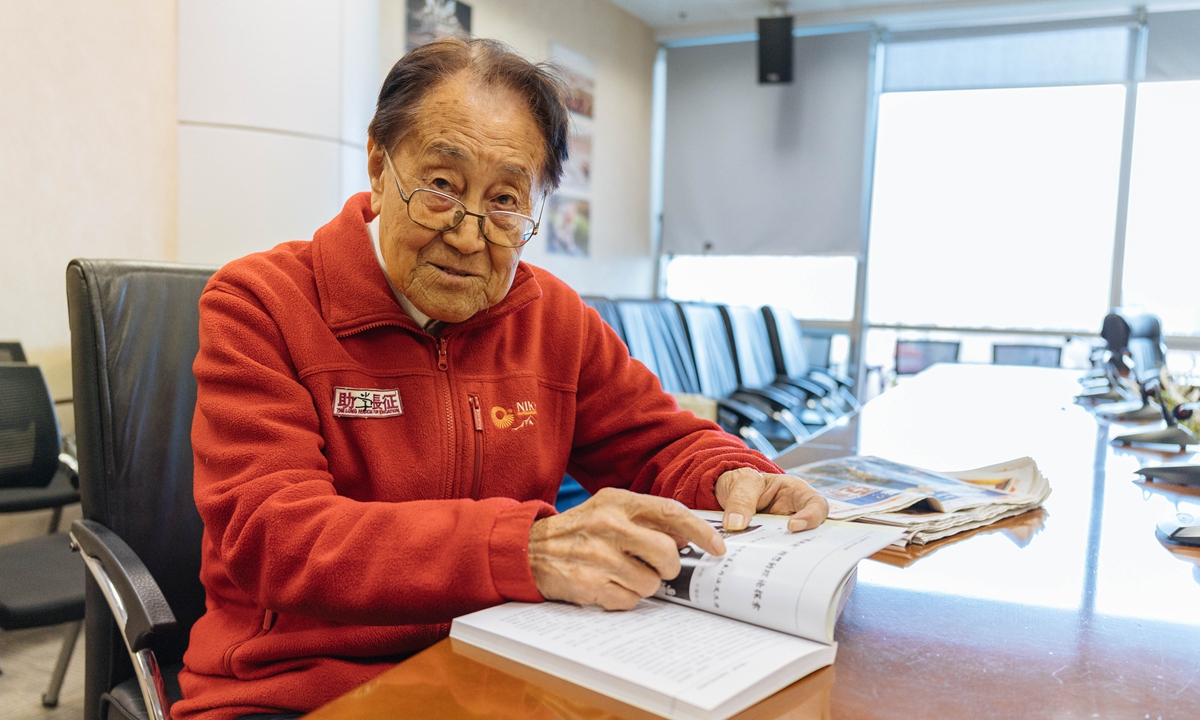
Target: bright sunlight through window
(995,208)
(1162,242)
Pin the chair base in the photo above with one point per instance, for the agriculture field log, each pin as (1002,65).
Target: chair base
(70,637)
(1174,435)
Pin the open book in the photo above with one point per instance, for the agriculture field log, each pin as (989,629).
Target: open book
(925,504)
(726,633)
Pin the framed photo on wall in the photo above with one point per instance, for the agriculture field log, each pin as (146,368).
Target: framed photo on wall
(428,20)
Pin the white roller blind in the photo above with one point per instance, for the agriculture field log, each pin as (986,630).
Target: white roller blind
(755,169)
(1173,46)
(1087,56)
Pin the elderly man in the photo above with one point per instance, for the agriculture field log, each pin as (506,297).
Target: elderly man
(385,413)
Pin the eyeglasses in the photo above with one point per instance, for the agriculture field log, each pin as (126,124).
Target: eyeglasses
(438,211)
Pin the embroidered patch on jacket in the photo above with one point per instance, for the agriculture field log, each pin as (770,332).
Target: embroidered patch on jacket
(365,402)
(506,418)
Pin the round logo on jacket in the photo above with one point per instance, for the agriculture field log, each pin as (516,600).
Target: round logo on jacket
(502,418)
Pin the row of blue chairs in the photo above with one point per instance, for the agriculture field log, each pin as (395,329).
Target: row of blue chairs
(752,361)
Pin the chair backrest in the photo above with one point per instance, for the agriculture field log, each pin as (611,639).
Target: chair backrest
(1148,358)
(787,342)
(1115,330)
(656,337)
(11,351)
(134,336)
(716,367)
(608,312)
(1033,355)
(913,356)
(818,347)
(29,439)
(755,362)
(1145,325)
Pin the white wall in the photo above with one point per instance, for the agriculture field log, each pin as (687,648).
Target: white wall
(274,101)
(87,155)
(275,97)
(202,130)
(623,49)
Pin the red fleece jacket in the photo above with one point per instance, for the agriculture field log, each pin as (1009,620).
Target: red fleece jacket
(340,538)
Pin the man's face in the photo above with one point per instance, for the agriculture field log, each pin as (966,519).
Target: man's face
(482,146)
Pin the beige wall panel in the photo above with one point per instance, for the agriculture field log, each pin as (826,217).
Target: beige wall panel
(354,171)
(87,154)
(623,49)
(261,63)
(243,191)
(360,68)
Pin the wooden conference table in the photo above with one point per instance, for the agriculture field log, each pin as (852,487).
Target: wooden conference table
(1073,611)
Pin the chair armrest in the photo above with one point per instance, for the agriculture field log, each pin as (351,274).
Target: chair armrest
(838,378)
(137,603)
(774,398)
(745,412)
(808,386)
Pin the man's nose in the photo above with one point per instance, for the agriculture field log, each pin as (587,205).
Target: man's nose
(467,237)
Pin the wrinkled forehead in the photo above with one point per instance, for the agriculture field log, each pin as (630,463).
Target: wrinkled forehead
(471,125)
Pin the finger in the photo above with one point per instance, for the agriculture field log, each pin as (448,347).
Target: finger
(613,596)
(744,487)
(793,496)
(655,549)
(671,517)
(810,516)
(635,576)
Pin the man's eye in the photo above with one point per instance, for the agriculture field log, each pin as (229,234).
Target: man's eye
(441,184)
(504,202)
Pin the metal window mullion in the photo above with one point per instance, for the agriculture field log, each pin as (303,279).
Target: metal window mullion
(1135,70)
(859,324)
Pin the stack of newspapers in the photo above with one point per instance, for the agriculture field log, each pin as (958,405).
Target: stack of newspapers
(925,505)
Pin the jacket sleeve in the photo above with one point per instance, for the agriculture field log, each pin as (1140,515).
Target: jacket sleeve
(282,533)
(630,433)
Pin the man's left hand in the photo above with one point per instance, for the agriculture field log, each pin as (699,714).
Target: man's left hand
(745,491)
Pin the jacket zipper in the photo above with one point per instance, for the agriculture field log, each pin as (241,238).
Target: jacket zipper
(444,366)
(478,479)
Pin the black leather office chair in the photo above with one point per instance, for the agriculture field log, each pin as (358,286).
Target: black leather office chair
(790,345)
(41,580)
(716,369)
(1029,355)
(913,356)
(755,363)
(11,351)
(608,311)
(133,340)
(657,338)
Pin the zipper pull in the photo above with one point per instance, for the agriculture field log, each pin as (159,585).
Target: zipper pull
(442,360)
(474,400)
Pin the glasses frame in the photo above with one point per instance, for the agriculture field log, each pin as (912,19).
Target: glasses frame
(537,223)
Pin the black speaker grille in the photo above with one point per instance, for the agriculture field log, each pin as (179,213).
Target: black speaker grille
(775,59)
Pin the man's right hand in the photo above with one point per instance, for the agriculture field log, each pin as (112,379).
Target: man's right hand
(614,549)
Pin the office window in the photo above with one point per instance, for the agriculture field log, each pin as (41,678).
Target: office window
(995,207)
(812,287)
(1162,247)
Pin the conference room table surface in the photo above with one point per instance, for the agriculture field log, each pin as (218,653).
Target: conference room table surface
(1074,610)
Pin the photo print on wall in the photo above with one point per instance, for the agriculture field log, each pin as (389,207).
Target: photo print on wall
(429,20)
(570,208)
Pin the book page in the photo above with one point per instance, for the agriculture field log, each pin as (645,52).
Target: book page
(774,578)
(702,659)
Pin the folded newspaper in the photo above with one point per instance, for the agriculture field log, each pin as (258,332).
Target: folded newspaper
(927,505)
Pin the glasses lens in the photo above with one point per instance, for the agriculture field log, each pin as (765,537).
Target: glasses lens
(435,210)
(505,228)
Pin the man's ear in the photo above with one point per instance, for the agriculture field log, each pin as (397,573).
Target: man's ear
(376,169)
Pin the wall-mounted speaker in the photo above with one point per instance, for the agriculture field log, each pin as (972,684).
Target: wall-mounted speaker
(775,57)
